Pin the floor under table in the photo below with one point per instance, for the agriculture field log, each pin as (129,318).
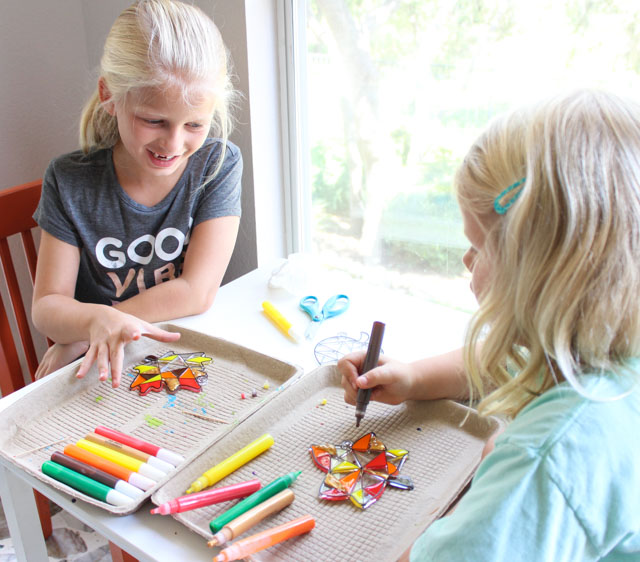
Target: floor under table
(71,540)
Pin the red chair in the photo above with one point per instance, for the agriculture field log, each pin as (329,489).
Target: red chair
(17,205)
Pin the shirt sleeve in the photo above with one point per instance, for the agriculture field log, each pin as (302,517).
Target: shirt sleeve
(221,197)
(50,214)
(513,511)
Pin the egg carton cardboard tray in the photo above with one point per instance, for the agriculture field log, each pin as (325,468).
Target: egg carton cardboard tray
(62,409)
(445,440)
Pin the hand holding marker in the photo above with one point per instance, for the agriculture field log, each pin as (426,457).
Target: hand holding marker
(370,362)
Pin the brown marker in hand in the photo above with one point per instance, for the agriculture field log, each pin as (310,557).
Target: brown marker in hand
(370,362)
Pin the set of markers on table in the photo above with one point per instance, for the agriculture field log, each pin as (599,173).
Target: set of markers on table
(117,469)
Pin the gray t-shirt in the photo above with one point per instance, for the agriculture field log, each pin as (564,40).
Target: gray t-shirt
(126,247)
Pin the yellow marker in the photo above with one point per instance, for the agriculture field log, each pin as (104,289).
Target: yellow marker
(123,460)
(227,466)
(274,314)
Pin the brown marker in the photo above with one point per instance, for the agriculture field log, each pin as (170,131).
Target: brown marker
(252,517)
(370,362)
(98,475)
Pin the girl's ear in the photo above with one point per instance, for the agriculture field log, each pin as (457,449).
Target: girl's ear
(105,97)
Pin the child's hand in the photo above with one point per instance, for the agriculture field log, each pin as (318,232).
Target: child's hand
(110,332)
(59,355)
(391,380)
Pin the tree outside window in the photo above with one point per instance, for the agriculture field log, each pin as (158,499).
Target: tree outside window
(399,89)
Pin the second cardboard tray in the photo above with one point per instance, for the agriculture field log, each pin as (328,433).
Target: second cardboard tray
(443,455)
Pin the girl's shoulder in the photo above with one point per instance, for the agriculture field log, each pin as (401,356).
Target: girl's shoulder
(72,163)
(210,152)
(564,420)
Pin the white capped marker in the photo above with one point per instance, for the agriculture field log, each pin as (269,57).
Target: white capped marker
(121,459)
(164,454)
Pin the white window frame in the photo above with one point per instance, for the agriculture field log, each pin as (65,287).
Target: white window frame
(292,21)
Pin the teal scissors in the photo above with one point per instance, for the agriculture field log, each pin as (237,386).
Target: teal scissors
(335,305)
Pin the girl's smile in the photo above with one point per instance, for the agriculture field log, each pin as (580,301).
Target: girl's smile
(161,161)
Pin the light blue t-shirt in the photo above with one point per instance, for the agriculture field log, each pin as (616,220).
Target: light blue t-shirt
(562,484)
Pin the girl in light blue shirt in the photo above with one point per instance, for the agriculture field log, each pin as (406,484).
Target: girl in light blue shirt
(550,198)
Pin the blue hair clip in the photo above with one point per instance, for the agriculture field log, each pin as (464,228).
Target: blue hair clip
(502,208)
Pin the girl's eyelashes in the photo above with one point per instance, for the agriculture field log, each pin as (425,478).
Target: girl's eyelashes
(159,122)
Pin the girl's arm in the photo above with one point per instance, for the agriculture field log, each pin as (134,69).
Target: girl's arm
(58,315)
(393,382)
(205,263)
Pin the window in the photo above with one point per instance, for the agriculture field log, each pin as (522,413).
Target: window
(395,92)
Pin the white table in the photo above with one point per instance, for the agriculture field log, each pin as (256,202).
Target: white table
(414,329)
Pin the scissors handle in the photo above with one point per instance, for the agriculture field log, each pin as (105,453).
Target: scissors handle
(310,306)
(335,305)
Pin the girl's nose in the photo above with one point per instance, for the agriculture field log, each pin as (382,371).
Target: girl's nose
(469,258)
(172,140)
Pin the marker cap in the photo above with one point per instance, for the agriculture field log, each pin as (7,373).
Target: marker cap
(169,456)
(140,481)
(151,472)
(161,465)
(128,489)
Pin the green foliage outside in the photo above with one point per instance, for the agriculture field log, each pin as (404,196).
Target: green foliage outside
(439,71)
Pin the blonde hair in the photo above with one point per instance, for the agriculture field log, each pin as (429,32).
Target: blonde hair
(563,295)
(155,44)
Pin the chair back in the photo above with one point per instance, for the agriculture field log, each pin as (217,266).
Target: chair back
(17,205)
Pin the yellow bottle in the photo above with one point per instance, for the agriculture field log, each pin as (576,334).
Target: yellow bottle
(235,461)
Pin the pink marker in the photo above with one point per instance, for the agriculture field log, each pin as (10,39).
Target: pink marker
(168,456)
(208,497)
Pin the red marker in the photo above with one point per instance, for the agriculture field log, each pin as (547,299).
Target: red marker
(169,456)
(208,497)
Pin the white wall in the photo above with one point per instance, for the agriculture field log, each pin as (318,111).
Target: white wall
(49,53)
(43,67)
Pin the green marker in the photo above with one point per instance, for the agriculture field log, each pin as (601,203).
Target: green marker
(84,484)
(254,499)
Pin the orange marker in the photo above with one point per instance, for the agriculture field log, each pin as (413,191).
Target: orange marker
(137,480)
(255,543)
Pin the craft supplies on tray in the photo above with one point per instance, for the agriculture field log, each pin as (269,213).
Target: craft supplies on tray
(61,409)
(245,395)
(442,457)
